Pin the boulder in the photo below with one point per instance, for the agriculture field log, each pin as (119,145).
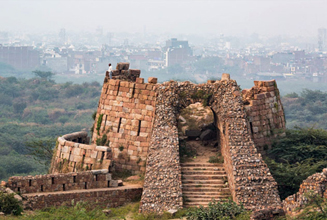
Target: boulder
(192,134)
(122,66)
(208,135)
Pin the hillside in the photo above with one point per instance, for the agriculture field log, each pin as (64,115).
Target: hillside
(39,109)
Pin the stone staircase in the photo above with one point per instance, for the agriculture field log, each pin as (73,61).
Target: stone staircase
(203,182)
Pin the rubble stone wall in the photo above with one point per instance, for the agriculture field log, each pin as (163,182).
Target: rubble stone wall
(125,116)
(110,197)
(74,154)
(249,178)
(317,184)
(266,119)
(61,182)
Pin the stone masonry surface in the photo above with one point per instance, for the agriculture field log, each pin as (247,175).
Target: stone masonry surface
(250,180)
(265,113)
(317,183)
(125,115)
(74,154)
(106,197)
(61,182)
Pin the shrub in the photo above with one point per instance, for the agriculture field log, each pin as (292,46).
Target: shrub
(9,204)
(184,151)
(99,123)
(216,159)
(103,141)
(216,210)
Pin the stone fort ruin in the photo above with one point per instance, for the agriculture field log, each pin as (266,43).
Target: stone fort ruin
(135,129)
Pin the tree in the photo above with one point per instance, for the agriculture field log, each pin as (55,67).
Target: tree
(41,149)
(297,156)
(43,75)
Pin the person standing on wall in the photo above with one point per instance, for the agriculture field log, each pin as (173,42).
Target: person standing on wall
(110,71)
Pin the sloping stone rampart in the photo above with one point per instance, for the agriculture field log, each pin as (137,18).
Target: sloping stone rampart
(74,154)
(125,115)
(317,184)
(250,180)
(61,182)
(265,113)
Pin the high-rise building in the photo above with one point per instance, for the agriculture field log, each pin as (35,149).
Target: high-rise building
(22,58)
(322,39)
(62,35)
(177,52)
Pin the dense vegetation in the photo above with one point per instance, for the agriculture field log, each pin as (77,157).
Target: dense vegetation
(36,111)
(218,210)
(295,157)
(306,110)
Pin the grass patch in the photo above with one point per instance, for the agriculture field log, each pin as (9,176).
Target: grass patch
(121,174)
(216,159)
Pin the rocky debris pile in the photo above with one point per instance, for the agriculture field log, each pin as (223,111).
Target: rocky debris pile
(194,117)
(206,133)
(122,72)
(269,213)
(317,184)
(9,191)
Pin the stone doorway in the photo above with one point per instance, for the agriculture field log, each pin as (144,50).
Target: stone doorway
(203,174)
(198,134)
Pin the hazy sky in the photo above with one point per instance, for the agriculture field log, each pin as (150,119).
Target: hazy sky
(291,17)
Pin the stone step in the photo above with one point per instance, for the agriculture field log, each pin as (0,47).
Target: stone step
(209,186)
(203,177)
(203,172)
(203,189)
(197,182)
(203,169)
(205,199)
(205,194)
(197,204)
(202,165)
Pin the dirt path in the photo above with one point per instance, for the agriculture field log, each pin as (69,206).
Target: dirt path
(203,153)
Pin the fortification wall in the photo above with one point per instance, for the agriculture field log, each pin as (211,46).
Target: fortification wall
(249,178)
(110,197)
(125,117)
(61,182)
(317,184)
(74,154)
(265,113)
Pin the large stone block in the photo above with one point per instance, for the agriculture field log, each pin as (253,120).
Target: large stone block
(122,66)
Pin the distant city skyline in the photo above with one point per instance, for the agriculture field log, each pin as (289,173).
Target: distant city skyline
(176,17)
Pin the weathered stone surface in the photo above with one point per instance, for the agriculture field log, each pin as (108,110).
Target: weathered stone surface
(152,80)
(110,197)
(225,77)
(208,135)
(243,164)
(60,182)
(316,183)
(193,133)
(265,113)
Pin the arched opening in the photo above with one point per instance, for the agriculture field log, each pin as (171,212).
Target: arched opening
(203,174)
(198,135)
